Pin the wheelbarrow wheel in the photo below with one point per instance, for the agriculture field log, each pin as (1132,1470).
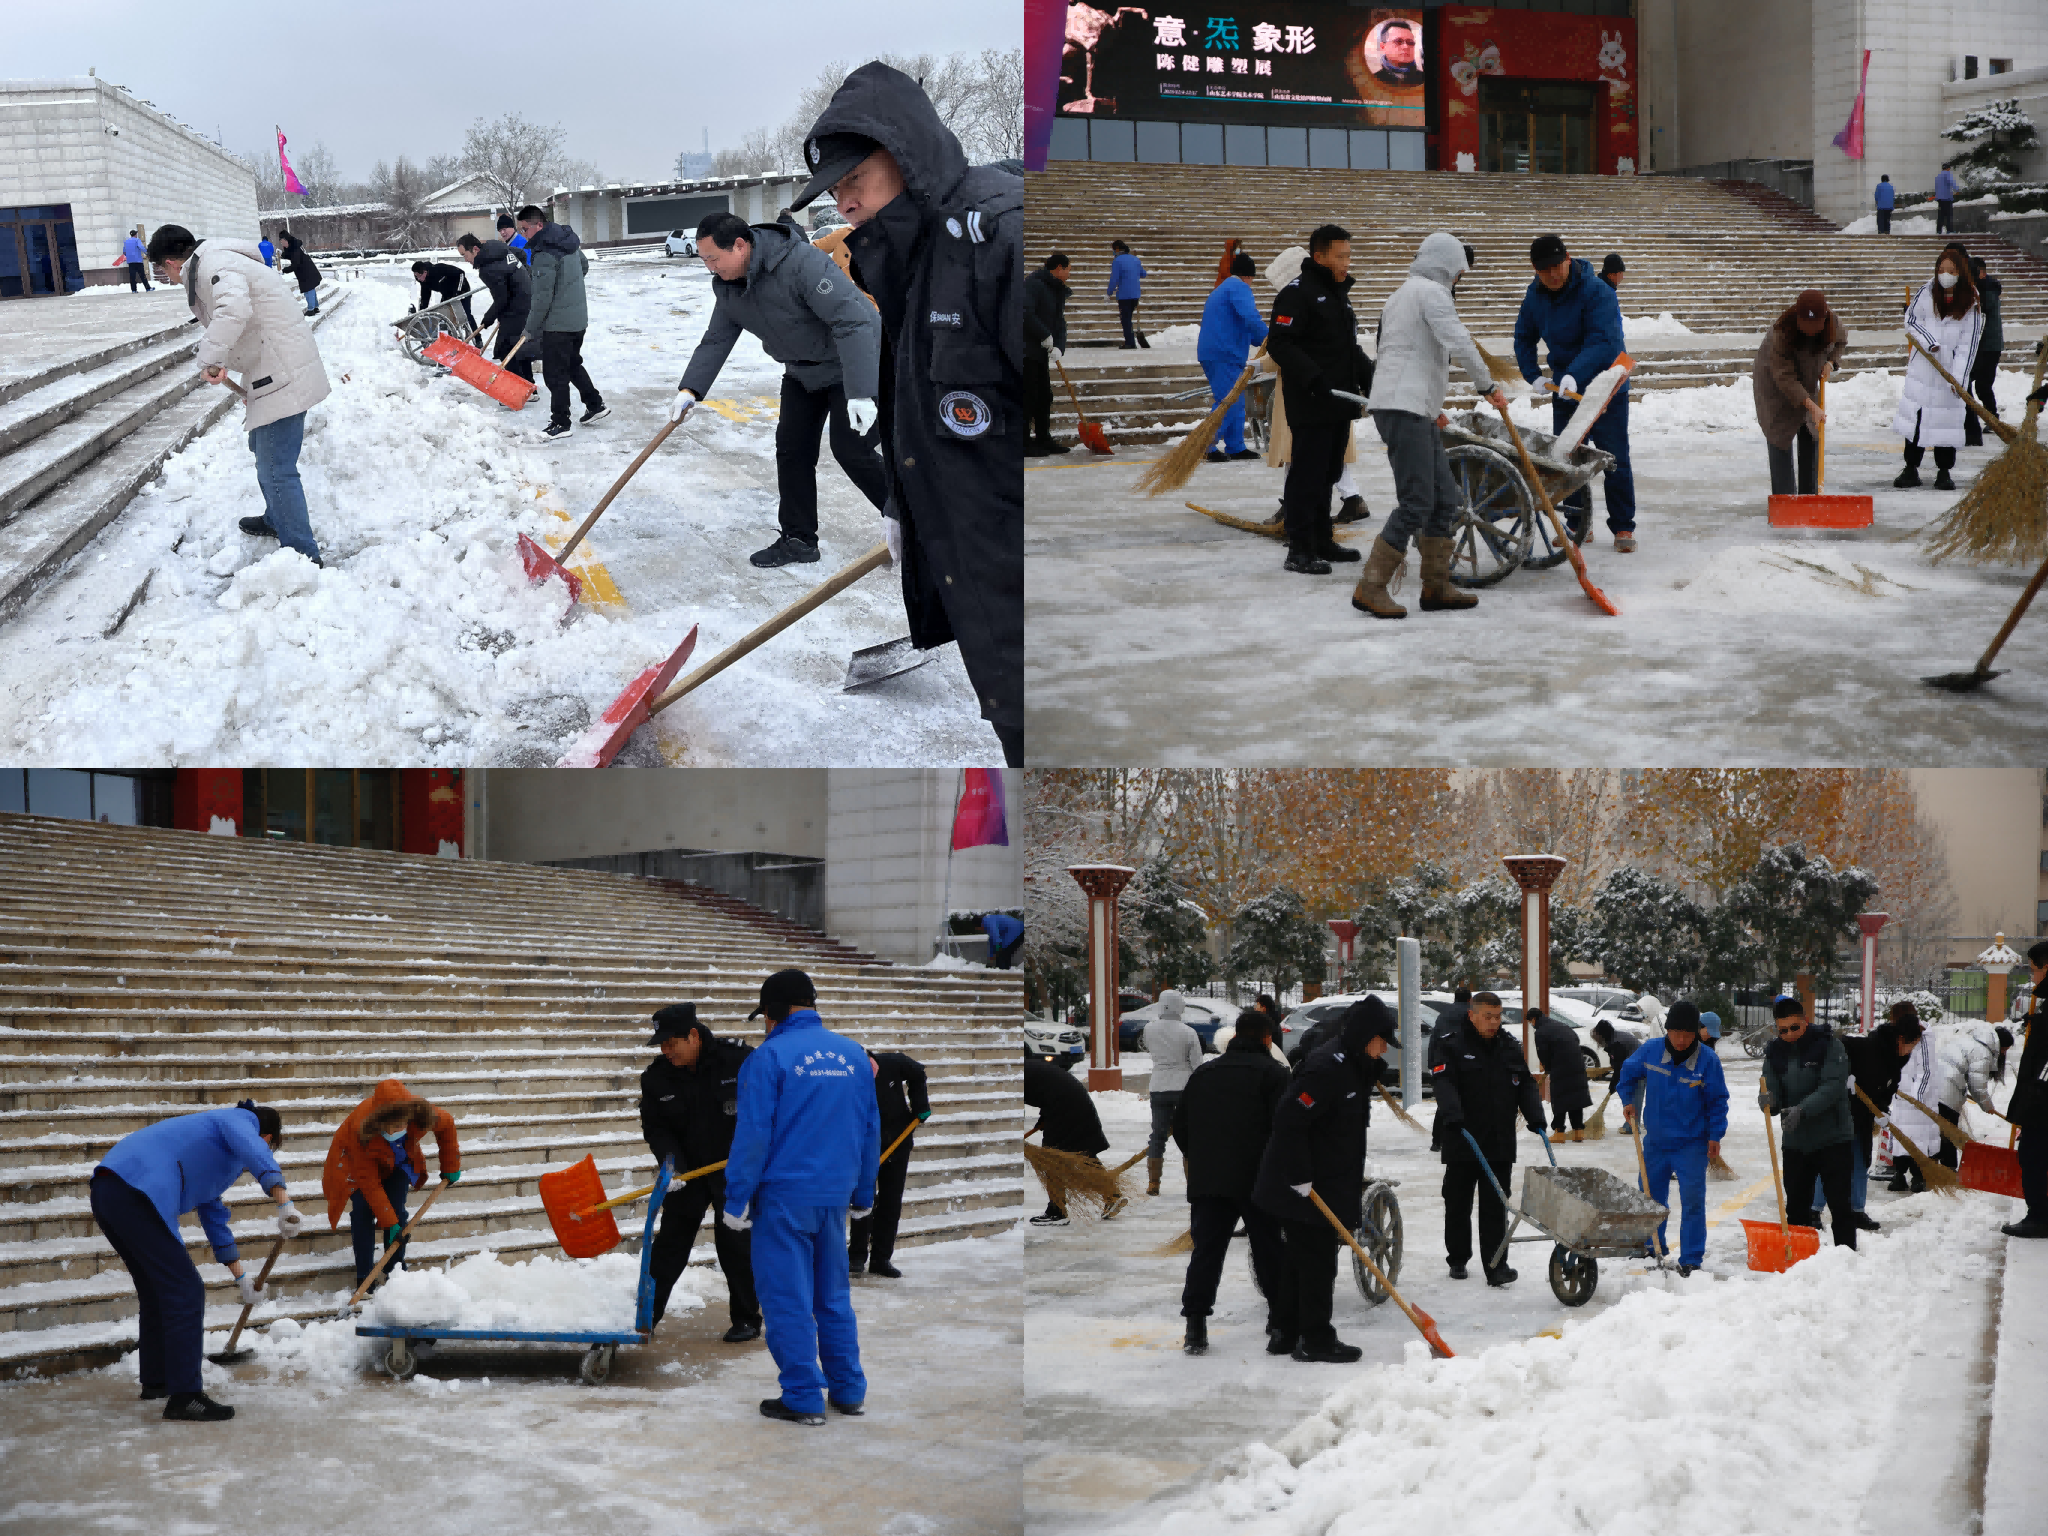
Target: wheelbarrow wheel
(597,1364)
(1544,550)
(1573,1276)
(400,1360)
(1496,517)
(421,331)
(1379,1235)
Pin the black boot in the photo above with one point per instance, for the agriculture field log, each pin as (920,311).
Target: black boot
(1197,1340)
(1457,1271)
(1279,1342)
(787,550)
(1942,482)
(885,1269)
(1908,478)
(196,1408)
(1864,1223)
(1304,564)
(776,1408)
(742,1333)
(1501,1276)
(1332,1351)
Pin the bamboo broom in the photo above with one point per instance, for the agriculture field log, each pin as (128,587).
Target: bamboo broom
(1068,1176)
(1172,469)
(1941,1180)
(1719,1171)
(1953,1135)
(1596,1123)
(1394,1104)
(2004,515)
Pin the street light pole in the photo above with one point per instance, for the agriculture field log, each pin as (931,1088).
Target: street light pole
(1103,883)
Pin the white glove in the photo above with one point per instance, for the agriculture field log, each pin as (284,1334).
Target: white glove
(892,535)
(1568,385)
(1302,1189)
(861,413)
(864,1215)
(737,1223)
(1051,350)
(680,407)
(246,1284)
(289,1221)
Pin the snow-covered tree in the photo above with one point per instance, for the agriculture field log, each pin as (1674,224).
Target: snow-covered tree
(1169,931)
(1276,942)
(1648,934)
(1799,911)
(517,157)
(1997,133)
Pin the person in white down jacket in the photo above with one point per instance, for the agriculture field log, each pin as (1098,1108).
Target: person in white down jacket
(253,328)
(1947,320)
(1176,1051)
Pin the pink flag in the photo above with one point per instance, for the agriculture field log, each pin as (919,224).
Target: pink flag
(1850,140)
(978,818)
(291,180)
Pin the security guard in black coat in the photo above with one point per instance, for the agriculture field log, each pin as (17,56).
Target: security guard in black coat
(1318,1141)
(1067,1122)
(1045,339)
(1481,1081)
(689,1104)
(1313,339)
(940,246)
(900,1096)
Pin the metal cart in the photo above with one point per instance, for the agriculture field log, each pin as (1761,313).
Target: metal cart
(600,1347)
(1501,526)
(1589,1215)
(1379,1234)
(421,329)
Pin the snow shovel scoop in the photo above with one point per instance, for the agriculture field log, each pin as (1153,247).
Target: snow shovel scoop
(469,364)
(406,1231)
(1776,1248)
(1821,510)
(637,705)
(1090,432)
(540,565)
(873,664)
(566,1195)
(1600,599)
(1424,1323)
(231,1354)
(1982,673)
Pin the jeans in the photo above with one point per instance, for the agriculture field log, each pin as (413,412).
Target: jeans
(1223,379)
(171,1322)
(276,446)
(1829,1166)
(1426,500)
(363,1231)
(1318,455)
(1807,482)
(561,359)
(807,1302)
(682,1213)
(805,413)
(1126,310)
(138,273)
(1461,1182)
(1687,1162)
(1609,435)
(312,298)
(1163,1106)
(1213,1220)
(872,1238)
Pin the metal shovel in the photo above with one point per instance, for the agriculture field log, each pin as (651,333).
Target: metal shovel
(873,664)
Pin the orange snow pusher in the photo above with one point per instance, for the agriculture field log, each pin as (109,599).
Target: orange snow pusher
(577,1209)
(1821,510)
(472,367)
(540,565)
(1775,1246)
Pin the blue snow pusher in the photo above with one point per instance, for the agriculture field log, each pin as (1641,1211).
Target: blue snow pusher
(600,1346)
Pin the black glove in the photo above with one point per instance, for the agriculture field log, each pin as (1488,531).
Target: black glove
(1535,1127)
(1792,1118)
(1448,1129)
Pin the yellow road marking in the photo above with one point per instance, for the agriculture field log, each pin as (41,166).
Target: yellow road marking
(598,587)
(1736,1202)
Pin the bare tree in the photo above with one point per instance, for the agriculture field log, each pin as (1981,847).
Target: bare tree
(403,188)
(444,170)
(514,155)
(760,151)
(317,174)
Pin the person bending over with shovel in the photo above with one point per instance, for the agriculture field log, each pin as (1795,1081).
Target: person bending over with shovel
(803,1154)
(375,1158)
(511,290)
(689,1106)
(1684,1110)
(142,1186)
(1806,1083)
(1481,1082)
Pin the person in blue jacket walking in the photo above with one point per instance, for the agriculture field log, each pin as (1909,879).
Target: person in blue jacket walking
(1887,195)
(1945,203)
(144,1184)
(269,251)
(136,256)
(1125,273)
(1231,327)
(1568,307)
(1676,1085)
(804,1151)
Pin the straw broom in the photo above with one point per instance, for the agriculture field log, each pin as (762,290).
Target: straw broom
(1067,1177)
(1941,1180)
(1172,470)
(1596,1124)
(2004,515)
(1719,1171)
(1393,1104)
(1950,1133)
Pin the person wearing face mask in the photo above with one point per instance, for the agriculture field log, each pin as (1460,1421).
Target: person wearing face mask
(147,1180)
(1947,320)
(1798,354)
(374,1158)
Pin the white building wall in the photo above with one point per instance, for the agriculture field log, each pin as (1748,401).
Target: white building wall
(887,835)
(2028,86)
(118,163)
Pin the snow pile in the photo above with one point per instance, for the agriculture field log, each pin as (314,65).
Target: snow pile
(1740,1405)
(1783,578)
(1182,336)
(1867,225)
(545,1293)
(321,1353)
(1636,329)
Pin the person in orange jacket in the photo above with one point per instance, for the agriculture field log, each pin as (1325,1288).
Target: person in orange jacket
(375,1158)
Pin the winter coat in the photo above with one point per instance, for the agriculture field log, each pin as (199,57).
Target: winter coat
(1990,293)
(2029,1100)
(1811,1072)
(558,302)
(943,263)
(1480,1084)
(1919,1077)
(1874,1064)
(804,311)
(1964,1055)
(688,1114)
(1786,374)
(1067,1121)
(510,285)
(1420,333)
(1652,1011)
(1621,1045)
(1684,1098)
(253,328)
(1318,1137)
(808,1131)
(134,252)
(1581,324)
(360,1159)
(1124,272)
(1928,406)
(1557,1047)
(1045,310)
(1280,271)
(1231,326)
(1175,1049)
(186,1162)
(1314,339)
(442,281)
(298,263)
(900,1097)
(1224,1119)
(1887,194)
(269,251)
(1002,929)
(521,247)
(1944,186)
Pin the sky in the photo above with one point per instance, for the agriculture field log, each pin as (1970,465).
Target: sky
(633,81)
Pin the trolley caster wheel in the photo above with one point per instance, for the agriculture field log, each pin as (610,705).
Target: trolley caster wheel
(1573,1276)
(400,1360)
(597,1364)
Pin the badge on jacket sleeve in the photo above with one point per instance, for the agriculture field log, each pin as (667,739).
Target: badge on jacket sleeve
(965,414)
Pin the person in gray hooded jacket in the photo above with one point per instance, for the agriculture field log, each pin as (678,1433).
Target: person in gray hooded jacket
(556,318)
(1176,1050)
(1420,333)
(769,280)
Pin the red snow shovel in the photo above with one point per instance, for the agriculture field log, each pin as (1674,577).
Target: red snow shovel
(472,367)
(540,565)
(597,746)
(1775,1247)
(1993,1169)
(1600,599)
(1424,1323)
(574,1200)
(1090,432)
(1819,510)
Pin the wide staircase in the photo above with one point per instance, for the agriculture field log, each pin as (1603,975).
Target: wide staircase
(148,973)
(95,394)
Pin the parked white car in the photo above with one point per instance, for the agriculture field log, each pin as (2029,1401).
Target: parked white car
(1323,1009)
(680,242)
(1048,1037)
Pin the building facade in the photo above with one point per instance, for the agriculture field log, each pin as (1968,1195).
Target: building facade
(642,213)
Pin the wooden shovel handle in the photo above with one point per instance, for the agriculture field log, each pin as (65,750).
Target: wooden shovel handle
(1991,421)
(1366,1259)
(618,485)
(1543,496)
(371,1278)
(262,1275)
(644,1190)
(874,558)
(1635,1125)
(1777,1177)
(2012,619)
(1076,399)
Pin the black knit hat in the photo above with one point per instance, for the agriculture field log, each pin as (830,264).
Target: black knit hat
(1546,251)
(1683,1016)
(1612,262)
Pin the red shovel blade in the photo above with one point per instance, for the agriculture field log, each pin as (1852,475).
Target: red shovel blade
(1427,1324)
(1600,599)
(540,565)
(597,746)
(1093,437)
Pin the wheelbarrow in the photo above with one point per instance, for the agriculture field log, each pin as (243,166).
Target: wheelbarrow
(423,327)
(600,1347)
(1500,527)
(1588,1214)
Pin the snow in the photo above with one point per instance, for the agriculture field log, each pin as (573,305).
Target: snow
(222,826)
(538,1293)
(1901,225)
(1636,329)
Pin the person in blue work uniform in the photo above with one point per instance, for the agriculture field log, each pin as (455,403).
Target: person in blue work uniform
(1126,282)
(1568,307)
(1231,327)
(268,251)
(135,254)
(144,1184)
(805,1151)
(1005,938)
(1684,1108)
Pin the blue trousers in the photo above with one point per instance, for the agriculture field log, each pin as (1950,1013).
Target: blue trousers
(276,445)
(807,1302)
(1610,435)
(1687,1162)
(1223,378)
(312,297)
(171,1325)
(363,1230)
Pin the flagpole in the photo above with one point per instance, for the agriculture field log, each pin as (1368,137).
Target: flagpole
(946,903)
(278,128)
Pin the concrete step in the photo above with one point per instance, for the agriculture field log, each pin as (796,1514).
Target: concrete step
(29,471)
(92,1051)
(38,410)
(91,357)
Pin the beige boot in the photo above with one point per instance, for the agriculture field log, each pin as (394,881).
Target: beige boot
(1371,595)
(1437,591)
(1154,1166)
